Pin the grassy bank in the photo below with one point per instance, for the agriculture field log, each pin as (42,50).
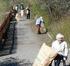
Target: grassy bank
(4,6)
(63,26)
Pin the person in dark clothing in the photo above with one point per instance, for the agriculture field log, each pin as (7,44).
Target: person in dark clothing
(22,6)
(28,13)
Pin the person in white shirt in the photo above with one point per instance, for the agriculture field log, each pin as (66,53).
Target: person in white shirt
(38,24)
(60,45)
(22,13)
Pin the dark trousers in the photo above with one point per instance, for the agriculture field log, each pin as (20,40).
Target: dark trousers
(28,16)
(57,60)
(38,29)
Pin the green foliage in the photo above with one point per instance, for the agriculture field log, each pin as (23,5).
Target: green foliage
(4,6)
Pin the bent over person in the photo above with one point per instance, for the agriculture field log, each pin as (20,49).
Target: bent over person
(60,45)
(39,21)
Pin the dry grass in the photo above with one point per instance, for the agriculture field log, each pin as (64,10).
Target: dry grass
(61,27)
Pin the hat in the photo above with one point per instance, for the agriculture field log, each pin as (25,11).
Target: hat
(41,17)
(59,36)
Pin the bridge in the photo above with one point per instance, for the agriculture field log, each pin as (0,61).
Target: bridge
(19,43)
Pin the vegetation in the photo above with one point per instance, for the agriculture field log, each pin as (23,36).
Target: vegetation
(4,7)
(61,27)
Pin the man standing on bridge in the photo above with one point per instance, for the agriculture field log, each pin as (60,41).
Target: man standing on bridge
(28,12)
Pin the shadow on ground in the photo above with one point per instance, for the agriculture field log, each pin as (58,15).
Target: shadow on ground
(9,45)
(14,62)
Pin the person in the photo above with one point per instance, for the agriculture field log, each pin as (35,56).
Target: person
(22,9)
(16,8)
(22,13)
(28,12)
(39,21)
(60,45)
(21,6)
(17,17)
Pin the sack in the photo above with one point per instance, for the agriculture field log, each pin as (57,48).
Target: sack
(45,56)
(43,29)
(42,25)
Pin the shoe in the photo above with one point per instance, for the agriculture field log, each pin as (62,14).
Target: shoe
(39,32)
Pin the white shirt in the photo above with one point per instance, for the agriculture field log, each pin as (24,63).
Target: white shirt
(22,12)
(61,48)
(38,21)
(16,8)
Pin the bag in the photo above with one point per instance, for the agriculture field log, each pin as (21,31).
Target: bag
(42,24)
(43,29)
(45,56)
